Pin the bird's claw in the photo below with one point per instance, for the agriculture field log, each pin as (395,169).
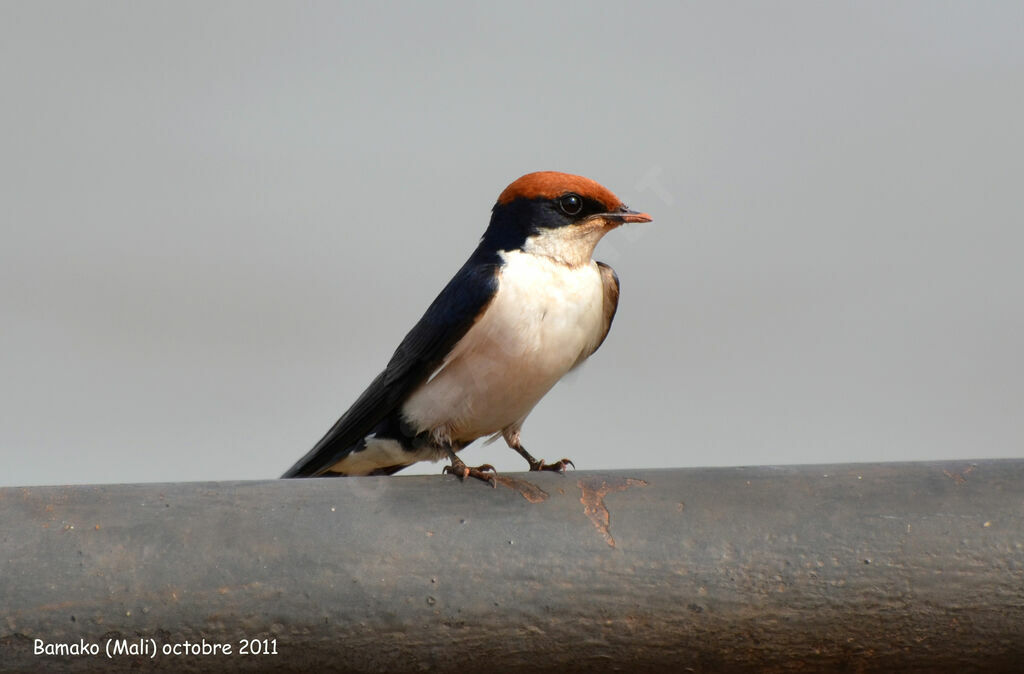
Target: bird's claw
(486,472)
(557,466)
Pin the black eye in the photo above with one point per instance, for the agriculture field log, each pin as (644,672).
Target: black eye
(571,204)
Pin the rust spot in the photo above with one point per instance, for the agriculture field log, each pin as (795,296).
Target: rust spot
(592,493)
(959,478)
(59,606)
(528,490)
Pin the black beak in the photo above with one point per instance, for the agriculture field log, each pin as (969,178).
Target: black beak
(626,215)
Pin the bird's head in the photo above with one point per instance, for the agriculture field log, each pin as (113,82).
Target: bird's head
(559,215)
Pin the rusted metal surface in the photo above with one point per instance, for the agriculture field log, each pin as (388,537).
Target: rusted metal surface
(862,568)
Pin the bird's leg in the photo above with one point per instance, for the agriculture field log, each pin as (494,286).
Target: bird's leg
(458,467)
(538,464)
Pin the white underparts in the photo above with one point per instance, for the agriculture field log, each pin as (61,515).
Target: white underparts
(545,317)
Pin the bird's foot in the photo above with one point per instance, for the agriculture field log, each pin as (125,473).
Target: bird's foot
(458,467)
(538,464)
(557,466)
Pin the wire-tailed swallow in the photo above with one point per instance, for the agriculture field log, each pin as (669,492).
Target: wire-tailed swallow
(526,308)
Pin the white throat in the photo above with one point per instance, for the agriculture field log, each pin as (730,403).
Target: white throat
(572,245)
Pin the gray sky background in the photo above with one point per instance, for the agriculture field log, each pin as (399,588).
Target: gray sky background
(219,219)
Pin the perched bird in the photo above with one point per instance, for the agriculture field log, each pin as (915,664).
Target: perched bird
(528,306)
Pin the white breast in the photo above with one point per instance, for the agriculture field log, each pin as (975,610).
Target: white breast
(544,317)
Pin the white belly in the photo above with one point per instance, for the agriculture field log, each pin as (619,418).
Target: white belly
(543,319)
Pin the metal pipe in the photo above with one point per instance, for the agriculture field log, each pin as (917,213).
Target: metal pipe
(874,567)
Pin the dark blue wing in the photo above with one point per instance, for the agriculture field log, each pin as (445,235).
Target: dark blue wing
(445,322)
